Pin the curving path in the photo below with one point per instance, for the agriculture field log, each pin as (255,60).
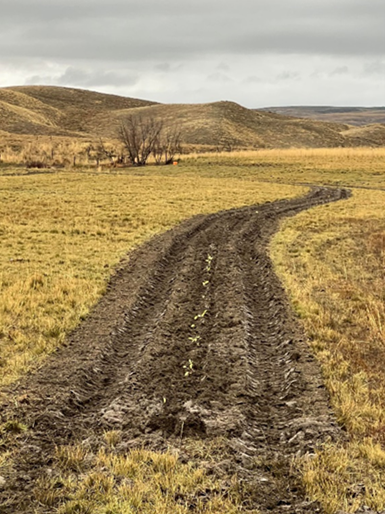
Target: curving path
(194,338)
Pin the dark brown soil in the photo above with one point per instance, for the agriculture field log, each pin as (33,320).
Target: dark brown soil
(204,296)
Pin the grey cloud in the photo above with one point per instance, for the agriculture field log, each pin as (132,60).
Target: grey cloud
(149,29)
(375,67)
(168,9)
(340,70)
(185,51)
(86,78)
(97,78)
(163,66)
(222,66)
(252,79)
(283,76)
(288,75)
(218,77)
(167,67)
(39,79)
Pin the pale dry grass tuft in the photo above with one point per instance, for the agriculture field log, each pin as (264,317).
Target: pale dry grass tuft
(141,482)
(331,260)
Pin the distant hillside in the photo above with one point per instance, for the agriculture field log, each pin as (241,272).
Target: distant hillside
(369,135)
(57,111)
(50,110)
(228,125)
(349,115)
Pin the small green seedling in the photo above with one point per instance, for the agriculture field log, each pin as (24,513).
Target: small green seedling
(189,368)
(201,315)
(208,260)
(204,284)
(195,339)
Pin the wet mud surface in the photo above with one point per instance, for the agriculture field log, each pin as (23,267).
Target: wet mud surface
(194,338)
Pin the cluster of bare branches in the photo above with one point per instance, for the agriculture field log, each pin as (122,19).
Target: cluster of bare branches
(50,153)
(143,137)
(167,146)
(100,152)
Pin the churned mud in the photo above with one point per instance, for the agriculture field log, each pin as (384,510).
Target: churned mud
(193,339)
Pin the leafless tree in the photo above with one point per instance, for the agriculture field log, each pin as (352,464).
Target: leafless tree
(143,137)
(167,145)
(139,136)
(102,152)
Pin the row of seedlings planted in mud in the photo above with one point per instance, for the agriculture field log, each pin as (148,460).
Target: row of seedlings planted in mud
(188,367)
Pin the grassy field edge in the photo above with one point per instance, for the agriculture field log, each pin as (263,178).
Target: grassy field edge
(331,261)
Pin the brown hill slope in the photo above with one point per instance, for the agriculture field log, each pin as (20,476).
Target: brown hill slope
(57,111)
(351,115)
(22,114)
(44,110)
(374,135)
(228,125)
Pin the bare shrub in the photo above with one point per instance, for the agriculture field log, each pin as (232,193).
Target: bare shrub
(143,137)
(35,164)
(167,146)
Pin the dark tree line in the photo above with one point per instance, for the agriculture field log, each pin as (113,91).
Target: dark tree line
(143,137)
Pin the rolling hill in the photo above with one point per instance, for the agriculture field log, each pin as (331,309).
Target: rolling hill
(58,111)
(351,115)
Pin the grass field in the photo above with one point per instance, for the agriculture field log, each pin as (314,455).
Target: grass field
(62,235)
(332,166)
(332,260)
(140,481)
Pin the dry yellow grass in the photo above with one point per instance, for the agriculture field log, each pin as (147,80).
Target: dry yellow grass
(334,166)
(139,481)
(62,234)
(354,116)
(332,260)
(56,152)
(57,111)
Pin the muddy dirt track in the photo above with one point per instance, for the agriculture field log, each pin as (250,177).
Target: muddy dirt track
(194,338)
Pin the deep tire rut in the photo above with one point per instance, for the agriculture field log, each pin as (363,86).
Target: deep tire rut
(194,338)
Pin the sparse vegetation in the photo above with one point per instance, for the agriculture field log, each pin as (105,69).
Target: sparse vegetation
(217,126)
(143,137)
(139,137)
(331,259)
(329,166)
(140,481)
(58,153)
(189,368)
(63,233)
(351,115)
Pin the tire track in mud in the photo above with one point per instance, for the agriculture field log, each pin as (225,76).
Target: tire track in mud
(194,338)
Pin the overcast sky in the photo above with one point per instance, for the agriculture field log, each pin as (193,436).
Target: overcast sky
(257,53)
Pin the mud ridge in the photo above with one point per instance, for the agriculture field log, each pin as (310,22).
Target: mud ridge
(194,338)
